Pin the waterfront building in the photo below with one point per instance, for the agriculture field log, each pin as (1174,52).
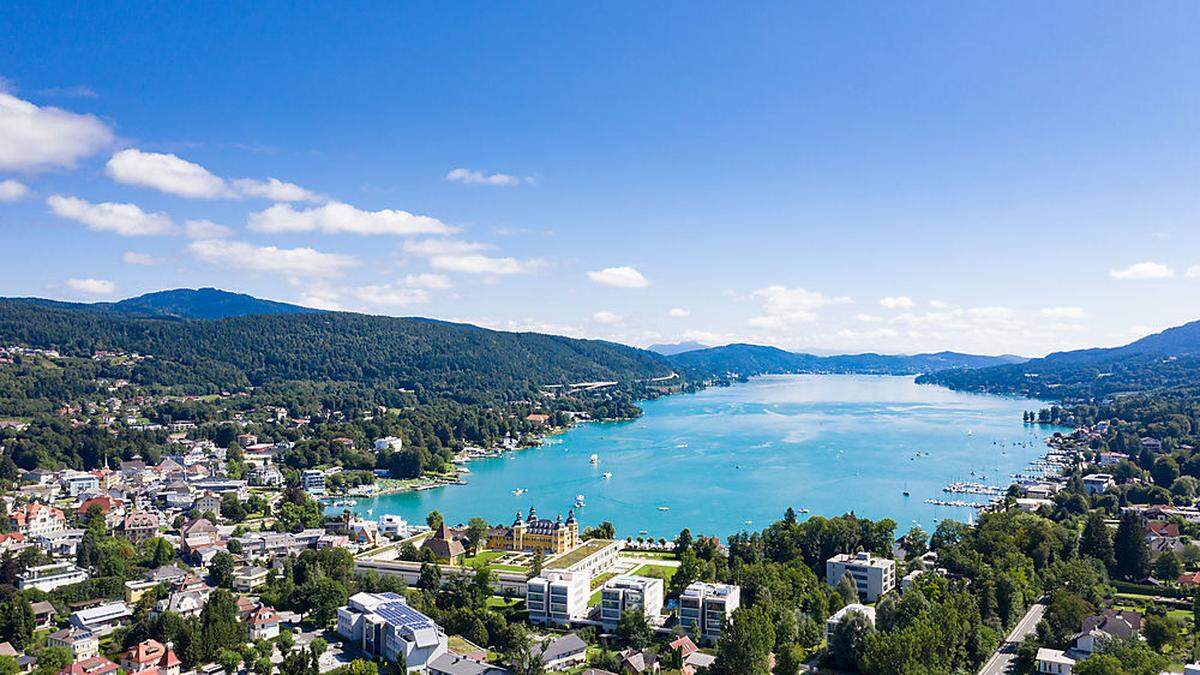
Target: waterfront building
(383,625)
(313,481)
(832,622)
(391,525)
(630,593)
(704,607)
(552,537)
(873,576)
(557,597)
(49,577)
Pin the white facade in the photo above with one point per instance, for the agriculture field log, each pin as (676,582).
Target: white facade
(704,607)
(1098,482)
(1054,662)
(630,593)
(382,624)
(873,576)
(391,525)
(102,619)
(832,622)
(49,577)
(388,443)
(77,482)
(557,597)
(313,481)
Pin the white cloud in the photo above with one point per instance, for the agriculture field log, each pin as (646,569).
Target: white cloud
(783,306)
(427,280)
(34,138)
(275,190)
(336,217)
(91,286)
(1193,271)
(1062,312)
(990,312)
(938,304)
(126,220)
(432,247)
(166,173)
(177,176)
(291,262)
(475,263)
(135,258)
(1143,270)
(607,318)
(472,177)
(389,295)
(678,313)
(205,229)
(867,318)
(620,277)
(896,302)
(12,191)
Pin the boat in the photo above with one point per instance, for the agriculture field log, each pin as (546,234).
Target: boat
(520,491)
(664,507)
(643,532)
(607,475)
(579,502)
(595,459)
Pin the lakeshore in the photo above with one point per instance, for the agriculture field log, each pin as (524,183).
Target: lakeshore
(733,458)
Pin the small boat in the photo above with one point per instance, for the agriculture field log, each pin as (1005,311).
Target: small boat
(607,475)
(664,507)
(747,522)
(643,532)
(595,459)
(906,494)
(520,491)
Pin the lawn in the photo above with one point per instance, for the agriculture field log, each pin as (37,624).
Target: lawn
(657,571)
(586,549)
(487,559)
(652,555)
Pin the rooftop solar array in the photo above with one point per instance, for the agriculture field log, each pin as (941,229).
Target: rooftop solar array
(400,614)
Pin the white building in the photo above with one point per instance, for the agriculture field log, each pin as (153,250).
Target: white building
(391,525)
(873,576)
(389,443)
(383,625)
(1054,662)
(1098,482)
(630,593)
(557,597)
(49,577)
(704,607)
(313,481)
(832,622)
(76,482)
(102,619)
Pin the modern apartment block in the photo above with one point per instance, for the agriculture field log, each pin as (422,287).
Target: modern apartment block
(383,625)
(49,577)
(313,481)
(630,593)
(557,597)
(873,576)
(704,607)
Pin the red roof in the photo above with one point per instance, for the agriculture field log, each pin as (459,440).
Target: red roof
(1190,579)
(150,653)
(97,665)
(23,515)
(1162,529)
(685,646)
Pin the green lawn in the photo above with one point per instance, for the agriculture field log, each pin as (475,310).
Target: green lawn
(653,555)
(658,571)
(586,549)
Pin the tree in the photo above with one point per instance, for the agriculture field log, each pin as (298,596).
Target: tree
(915,542)
(848,638)
(219,626)
(847,589)
(1130,551)
(221,569)
(790,660)
(1096,541)
(683,542)
(539,560)
(1159,632)
(1064,614)
(321,598)
(17,622)
(633,630)
(430,578)
(286,641)
(746,643)
(50,660)
(1168,567)
(477,529)
(1099,664)
(434,520)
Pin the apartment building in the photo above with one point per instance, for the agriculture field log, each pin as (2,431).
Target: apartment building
(873,576)
(630,593)
(704,607)
(557,597)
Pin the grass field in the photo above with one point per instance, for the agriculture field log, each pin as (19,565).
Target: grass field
(658,571)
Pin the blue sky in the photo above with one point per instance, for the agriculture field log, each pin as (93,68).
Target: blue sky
(980,177)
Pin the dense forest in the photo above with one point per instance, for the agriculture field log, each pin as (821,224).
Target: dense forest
(748,360)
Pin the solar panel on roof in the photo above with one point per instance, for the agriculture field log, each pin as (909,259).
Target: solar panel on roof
(402,615)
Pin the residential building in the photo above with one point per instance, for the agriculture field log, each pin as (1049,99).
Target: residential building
(138,526)
(43,615)
(562,652)
(389,443)
(873,576)
(263,623)
(383,625)
(630,593)
(77,482)
(150,654)
(49,577)
(391,525)
(208,502)
(1098,482)
(832,622)
(94,665)
(1111,624)
(704,607)
(1053,662)
(313,481)
(249,577)
(557,597)
(538,534)
(101,619)
(83,644)
(36,519)
(453,664)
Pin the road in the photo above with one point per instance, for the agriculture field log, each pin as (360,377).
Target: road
(1002,661)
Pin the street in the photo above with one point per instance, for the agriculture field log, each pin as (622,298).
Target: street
(1001,661)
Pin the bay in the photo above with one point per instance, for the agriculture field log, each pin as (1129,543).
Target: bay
(734,458)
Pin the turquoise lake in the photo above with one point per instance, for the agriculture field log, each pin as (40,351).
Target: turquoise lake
(734,458)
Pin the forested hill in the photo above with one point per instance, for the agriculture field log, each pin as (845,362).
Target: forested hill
(745,359)
(181,303)
(232,353)
(1164,360)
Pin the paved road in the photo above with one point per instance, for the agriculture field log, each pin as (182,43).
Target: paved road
(1002,661)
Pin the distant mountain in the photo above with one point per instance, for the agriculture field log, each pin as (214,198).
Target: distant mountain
(180,303)
(1167,359)
(673,348)
(745,359)
(205,303)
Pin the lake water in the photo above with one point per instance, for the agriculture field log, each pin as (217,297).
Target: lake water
(734,458)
